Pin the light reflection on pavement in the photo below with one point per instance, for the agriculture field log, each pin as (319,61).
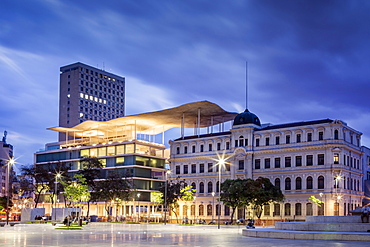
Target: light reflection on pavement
(119,234)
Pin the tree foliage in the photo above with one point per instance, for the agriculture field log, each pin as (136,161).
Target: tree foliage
(237,193)
(77,190)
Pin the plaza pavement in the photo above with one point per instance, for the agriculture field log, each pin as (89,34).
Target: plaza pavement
(120,234)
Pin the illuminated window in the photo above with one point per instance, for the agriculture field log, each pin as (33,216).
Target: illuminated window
(336,158)
(68,95)
(81,95)
(120,161)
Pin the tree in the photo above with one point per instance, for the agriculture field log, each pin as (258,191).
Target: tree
(173,194)
(234,194)
(187,194)
(91,168)
(108,190)
(77,191)
(40,177)
(263,192)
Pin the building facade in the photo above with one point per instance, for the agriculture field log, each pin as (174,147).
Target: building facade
(320,158)
(88,93)
(6,154)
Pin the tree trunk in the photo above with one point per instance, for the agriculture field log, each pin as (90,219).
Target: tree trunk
(232,215)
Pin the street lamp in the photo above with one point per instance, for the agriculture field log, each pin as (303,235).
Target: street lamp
(195,198)
(11,162)
(58,175)
(165,197)
(213,203)
(138,204)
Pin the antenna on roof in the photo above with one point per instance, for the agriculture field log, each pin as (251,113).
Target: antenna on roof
(246,85)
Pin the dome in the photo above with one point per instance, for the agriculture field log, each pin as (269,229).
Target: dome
(246,117)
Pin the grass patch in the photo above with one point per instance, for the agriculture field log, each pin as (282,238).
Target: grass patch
(132,223)
(68,228)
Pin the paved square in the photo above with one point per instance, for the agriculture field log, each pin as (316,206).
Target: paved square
(118,234)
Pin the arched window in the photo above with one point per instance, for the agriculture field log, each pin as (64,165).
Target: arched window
(309,211)
(277,182)
(184,210)
(177,150)
(185,150)
(298,209)
(192,210)
(309,183)
(298,183)
(201,210)
(193,186)
(218,186)
(201,187)
(288,185)
(320,182)
(287,209)
(209,209)
(241,141)
(336,137)
(210,187)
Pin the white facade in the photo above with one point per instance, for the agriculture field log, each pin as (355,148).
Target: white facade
(322,158)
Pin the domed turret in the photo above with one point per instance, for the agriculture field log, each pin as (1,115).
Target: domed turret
(246,117)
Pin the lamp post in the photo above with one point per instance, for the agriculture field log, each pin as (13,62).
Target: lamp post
(195,198)
(11,162)
(138,204)
(213,202)
(58,175)
(165,198)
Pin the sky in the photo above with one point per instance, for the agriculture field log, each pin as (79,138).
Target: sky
(306,59)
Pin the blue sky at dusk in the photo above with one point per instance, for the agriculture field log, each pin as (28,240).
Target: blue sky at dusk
(307,60)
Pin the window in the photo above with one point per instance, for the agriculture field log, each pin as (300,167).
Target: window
(288,185)
(201,210)
(177,150)
(277,162)
(320,159)
(241,141)
(227,145)
(209,147)
(298,137)
(277,140)
(320,210)
(241,164)
(309,137)
(287,139)
(193,168)
(201,187)
(209,209)
(236,143)
(267,141)
(336,158)
(288,161)
(277,182)
(201,168)
(218,186)
(267,163)
(276,209)
(321,136)
(227,210)
(309,211)
(298,161)
(266,210)
(287,209)
(298,183)
(309,184)
(193,186)
(309,160)
(257,164)
(202,148)
(257,142)
(218,146)
(193,149)
(320,182)
(186,169)
(177,169)
(336,135)
(210,187)
(210,167)
(298,209)
(185,150)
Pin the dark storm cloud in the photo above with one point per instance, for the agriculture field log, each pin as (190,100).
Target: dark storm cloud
(306,59)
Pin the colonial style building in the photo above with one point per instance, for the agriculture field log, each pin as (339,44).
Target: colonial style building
(321,158)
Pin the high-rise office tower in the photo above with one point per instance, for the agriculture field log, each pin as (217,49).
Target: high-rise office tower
(88,93)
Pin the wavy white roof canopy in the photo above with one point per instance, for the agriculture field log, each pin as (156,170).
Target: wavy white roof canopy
(184,116)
